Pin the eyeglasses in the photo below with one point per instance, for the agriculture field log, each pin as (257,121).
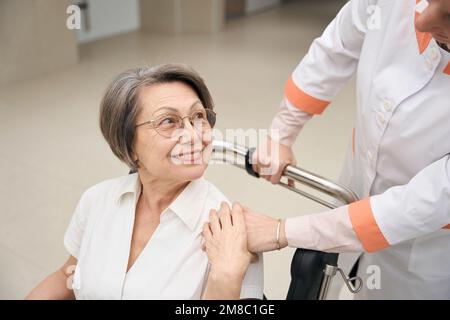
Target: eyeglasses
(167,124)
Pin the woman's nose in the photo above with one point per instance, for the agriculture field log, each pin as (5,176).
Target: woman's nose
(189,132)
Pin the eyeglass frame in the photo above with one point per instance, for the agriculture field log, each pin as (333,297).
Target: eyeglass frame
(181,121)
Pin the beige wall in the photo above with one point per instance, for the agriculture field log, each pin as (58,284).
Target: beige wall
(182,16)
(34,39)
(157,15)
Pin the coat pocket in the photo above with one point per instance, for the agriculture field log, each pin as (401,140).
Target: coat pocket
(430,255)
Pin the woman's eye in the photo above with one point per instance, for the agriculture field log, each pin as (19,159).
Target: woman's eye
(199,115)
(168,121)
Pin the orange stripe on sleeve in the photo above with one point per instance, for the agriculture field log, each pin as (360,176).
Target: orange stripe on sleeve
(447,69)
(365,226)
(302,100)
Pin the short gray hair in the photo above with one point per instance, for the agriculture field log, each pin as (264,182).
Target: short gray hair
(120,104)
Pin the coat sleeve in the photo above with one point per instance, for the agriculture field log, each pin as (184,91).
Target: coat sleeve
(329,231)
(405,212)
(401,213)
(331,61)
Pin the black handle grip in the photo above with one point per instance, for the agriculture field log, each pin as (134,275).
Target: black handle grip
(248,165)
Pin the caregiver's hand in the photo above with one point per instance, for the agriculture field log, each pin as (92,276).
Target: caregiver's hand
(271,158)
(262,232)
(226,241)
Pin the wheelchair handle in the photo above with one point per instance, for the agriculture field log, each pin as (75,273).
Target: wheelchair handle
(304,177)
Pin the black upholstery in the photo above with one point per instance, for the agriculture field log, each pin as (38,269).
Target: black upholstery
(307,273)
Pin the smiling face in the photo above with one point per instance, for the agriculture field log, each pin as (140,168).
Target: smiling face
(182,156)
(435,19)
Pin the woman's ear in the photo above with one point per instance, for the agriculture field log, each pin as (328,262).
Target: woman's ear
(132,152)
(134,157)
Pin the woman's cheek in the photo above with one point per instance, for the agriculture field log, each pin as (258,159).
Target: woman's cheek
(149,152)
(207,137)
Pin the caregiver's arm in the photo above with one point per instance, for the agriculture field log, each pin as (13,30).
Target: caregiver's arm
(226,247)
(331,61)
(401,213)
(57,285)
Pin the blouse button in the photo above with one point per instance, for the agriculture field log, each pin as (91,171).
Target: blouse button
(428,64)
(387,105)
(433,54)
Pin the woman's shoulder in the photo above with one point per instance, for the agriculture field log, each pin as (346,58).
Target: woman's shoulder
(215,195)
(112,186)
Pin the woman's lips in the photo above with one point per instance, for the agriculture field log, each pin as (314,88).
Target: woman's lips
(193,156)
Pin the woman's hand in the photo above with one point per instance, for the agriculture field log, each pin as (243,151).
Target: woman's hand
(262,232)
(226,246)
(226,241)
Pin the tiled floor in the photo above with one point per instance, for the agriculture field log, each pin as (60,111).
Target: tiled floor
(51,149)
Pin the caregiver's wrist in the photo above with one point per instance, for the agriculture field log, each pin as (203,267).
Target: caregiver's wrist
(275,230)
(282,239)
(274,235)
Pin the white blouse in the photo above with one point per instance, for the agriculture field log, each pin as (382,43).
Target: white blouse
(171,266)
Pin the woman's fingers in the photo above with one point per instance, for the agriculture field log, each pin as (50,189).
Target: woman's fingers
(214,222)
(220,220)
(207,234)
(237,215)
(225,215)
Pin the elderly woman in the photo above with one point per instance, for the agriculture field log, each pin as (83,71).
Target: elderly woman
(140,236)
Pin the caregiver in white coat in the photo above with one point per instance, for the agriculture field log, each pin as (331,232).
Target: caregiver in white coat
(398,161)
